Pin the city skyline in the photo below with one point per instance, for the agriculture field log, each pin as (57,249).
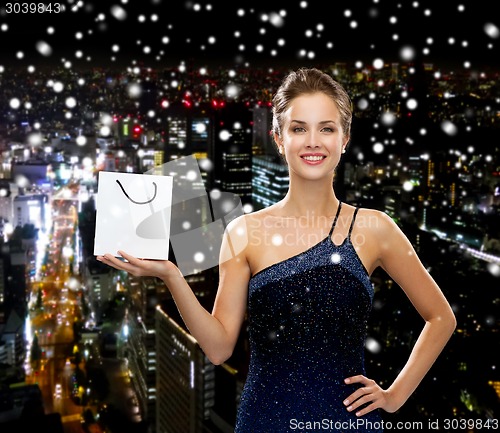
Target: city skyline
(424,148)
(364,183)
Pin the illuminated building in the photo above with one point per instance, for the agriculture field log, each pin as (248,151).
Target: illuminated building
(185,379)
(269,181)
(231,150)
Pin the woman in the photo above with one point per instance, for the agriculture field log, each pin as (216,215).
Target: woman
(303,274)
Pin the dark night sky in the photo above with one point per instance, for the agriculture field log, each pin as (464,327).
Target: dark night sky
(163,32)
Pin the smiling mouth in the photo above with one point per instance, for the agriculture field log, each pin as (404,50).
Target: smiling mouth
(314,158)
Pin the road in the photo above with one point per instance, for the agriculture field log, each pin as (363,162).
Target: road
(52,314)
(54,307)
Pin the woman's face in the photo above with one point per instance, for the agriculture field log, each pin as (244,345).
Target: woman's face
(312,138)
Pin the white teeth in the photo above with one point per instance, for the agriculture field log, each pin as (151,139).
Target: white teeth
(313,158)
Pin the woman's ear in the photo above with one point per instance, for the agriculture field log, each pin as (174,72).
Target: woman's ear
(279,143)
(344,144)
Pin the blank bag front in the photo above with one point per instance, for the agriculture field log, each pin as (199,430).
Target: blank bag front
(133,214)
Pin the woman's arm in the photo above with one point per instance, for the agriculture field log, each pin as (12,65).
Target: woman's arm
(400,261)
(398,258)
(215,332)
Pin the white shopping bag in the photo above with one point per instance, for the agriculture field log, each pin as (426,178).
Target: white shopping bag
(133,214)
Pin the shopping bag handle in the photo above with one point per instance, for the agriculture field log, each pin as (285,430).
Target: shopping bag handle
(137,202)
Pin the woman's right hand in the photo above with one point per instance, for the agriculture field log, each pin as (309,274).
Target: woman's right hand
(163,269)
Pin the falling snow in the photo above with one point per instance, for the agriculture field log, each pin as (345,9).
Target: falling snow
(159,33)
(199,38)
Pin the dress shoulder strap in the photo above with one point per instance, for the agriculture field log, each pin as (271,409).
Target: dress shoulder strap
(352,222)
(335,219)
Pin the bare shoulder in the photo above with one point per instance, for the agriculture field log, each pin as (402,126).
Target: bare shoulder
(246,223)
(373,218)
(242,230)
(383,233)
(374,235)
(375,222)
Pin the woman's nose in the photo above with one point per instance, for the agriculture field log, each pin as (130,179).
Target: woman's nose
(313,139)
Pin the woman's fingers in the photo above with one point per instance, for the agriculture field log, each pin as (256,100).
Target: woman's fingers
(370,393)
(113,261)
(128,257)
(374,405)
(140,267)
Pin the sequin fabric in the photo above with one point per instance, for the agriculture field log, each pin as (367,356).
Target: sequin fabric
(307,329)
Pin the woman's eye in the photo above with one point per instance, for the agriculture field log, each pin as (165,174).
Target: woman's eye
(298,129)
(327,129)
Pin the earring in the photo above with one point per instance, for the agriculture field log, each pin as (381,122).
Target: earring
(343,150)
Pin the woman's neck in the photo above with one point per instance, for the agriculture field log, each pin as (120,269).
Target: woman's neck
(313,198)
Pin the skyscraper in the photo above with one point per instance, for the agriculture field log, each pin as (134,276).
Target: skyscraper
(231,150)
(269,181)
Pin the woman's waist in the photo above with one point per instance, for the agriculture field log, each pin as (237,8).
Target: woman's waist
(305,367)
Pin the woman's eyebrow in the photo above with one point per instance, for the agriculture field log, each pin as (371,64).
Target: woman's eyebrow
(303,122)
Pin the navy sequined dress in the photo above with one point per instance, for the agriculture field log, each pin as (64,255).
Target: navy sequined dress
(307,328)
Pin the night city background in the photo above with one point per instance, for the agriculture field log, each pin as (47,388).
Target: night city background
(131,86)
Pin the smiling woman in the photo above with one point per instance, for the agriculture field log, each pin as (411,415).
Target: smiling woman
(303,277)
